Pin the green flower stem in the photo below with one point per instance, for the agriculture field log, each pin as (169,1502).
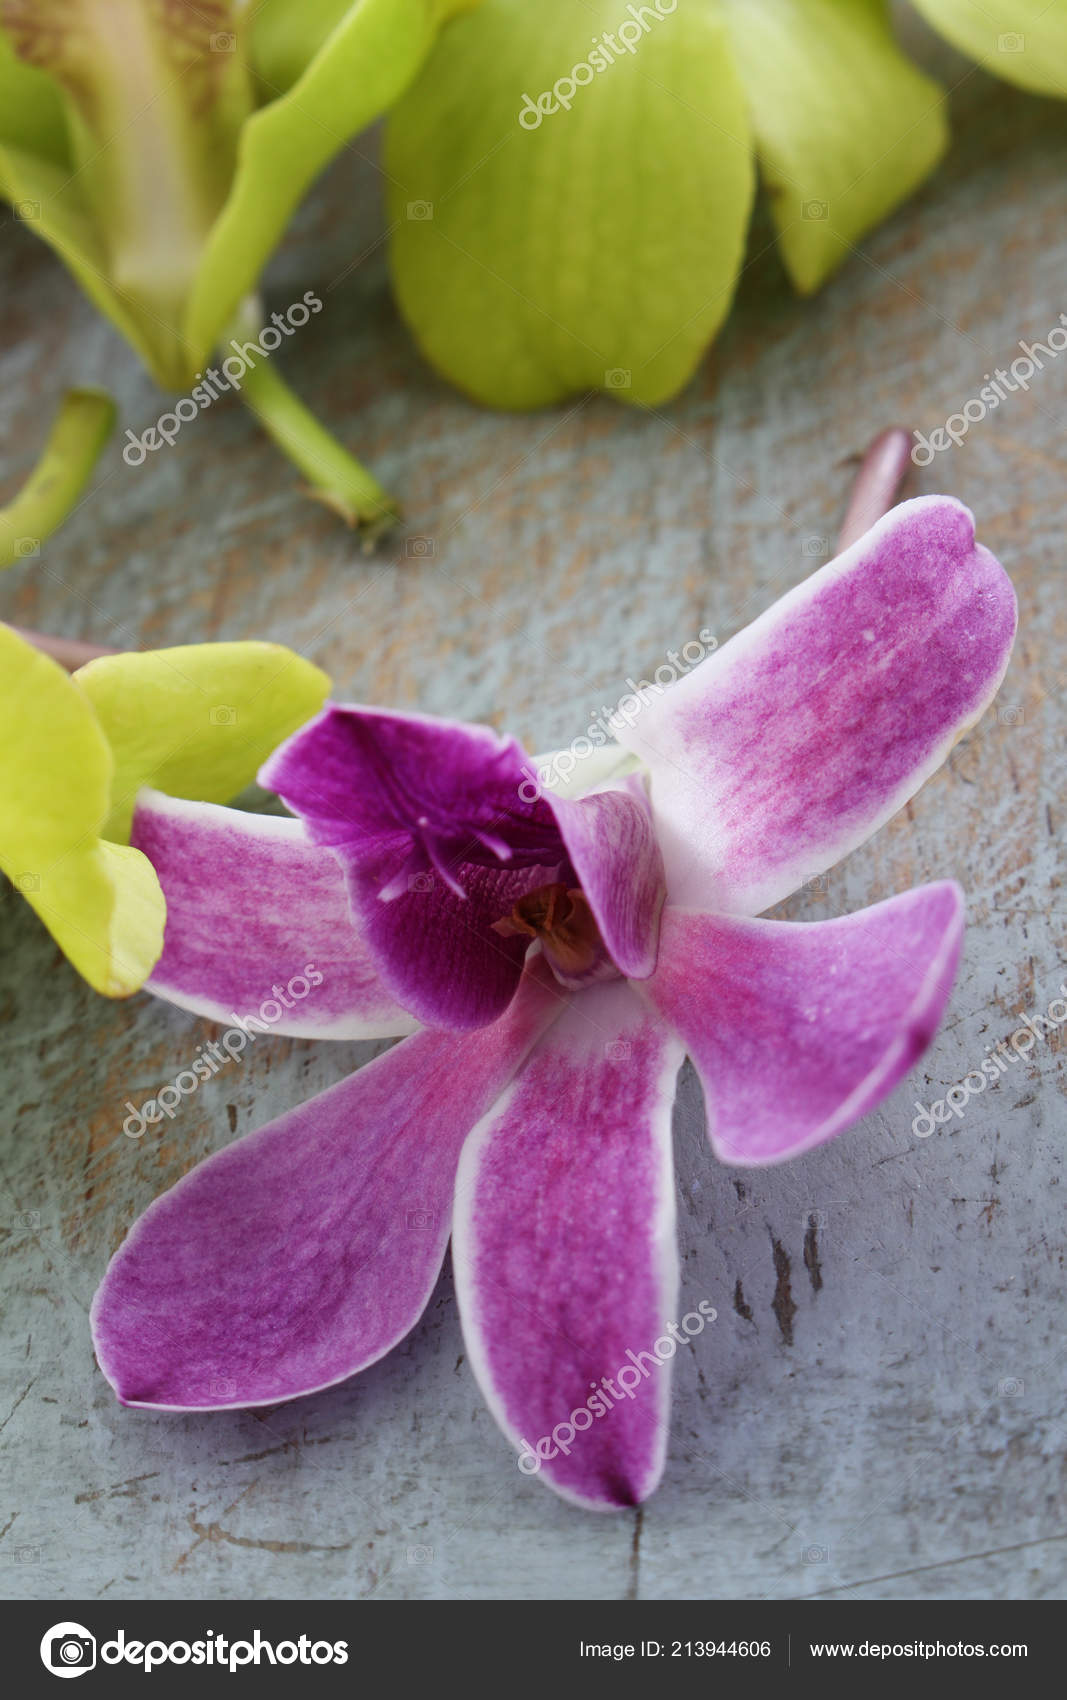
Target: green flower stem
(80,431)
(334,476)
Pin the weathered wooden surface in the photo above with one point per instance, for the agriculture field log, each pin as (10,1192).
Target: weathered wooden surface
(878,1410)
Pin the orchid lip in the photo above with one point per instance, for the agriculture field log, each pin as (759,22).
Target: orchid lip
(439,838)
(446,849)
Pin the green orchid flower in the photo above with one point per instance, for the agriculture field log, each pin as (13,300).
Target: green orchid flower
(591,172)
(161,149)
(196,721)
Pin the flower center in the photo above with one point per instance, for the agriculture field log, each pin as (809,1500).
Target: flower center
(560,917)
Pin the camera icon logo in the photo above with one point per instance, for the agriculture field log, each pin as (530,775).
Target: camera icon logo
(618,378)
(420,211)
(68,1649)
(421,1218)
(222,715)
(1011,42)
(816,209)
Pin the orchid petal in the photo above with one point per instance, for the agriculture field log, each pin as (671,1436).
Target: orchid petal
(613,849)
(32,119)
(846,126)
(799,1029)
(805,733)
(251,905)
(197,720)
(359,68)
(564,1249)
(417,811)
(305,1251)
(101,902)
(561,773)
(61,218)
(1023,41)
(538,252)
(154,109)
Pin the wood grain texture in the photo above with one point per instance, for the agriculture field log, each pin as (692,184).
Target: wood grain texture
(843,1428)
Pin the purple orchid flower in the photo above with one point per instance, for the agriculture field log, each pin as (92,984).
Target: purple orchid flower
(558,955)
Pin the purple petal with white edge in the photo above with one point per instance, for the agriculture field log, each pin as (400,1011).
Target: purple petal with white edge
(613,850)
(564,1251)
(431,824)
(258,921)
(806,732)
(305,1251)
(797,1029)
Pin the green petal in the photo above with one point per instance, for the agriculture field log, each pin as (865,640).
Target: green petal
(1023,41)
(598,248)
(286,35)
(846,127)
(101,902)
(49,200)
(360,69)
(196,721)
(31,112)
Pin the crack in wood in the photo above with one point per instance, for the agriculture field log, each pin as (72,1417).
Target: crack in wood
(783,1303)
